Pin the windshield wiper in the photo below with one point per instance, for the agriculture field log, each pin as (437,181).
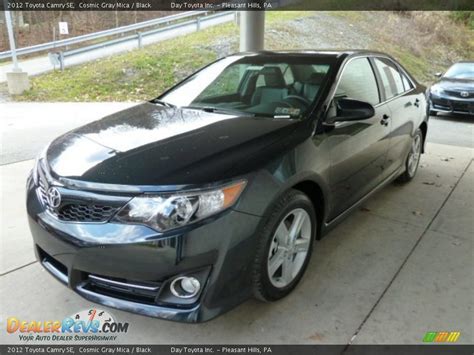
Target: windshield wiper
(276,116)
(162,103)
(224,110)
(230,111)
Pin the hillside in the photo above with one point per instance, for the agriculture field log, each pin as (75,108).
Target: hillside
(424,42)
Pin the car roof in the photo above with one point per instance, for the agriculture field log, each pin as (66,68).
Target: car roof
(314,52)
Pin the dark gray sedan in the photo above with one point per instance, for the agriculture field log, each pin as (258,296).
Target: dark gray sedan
(187,205)
(454,91)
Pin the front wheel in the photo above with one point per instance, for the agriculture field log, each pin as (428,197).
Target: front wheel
(285,246)
(413,159)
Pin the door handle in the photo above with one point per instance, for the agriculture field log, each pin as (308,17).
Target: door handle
(384,120)
(417,103)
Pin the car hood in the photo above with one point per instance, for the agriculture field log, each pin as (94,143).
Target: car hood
(153,145)
(454,84)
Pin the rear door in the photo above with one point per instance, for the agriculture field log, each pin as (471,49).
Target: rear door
(405,106)
(358,149)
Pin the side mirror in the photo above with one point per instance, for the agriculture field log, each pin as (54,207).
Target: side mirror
(352,110)
(439,75)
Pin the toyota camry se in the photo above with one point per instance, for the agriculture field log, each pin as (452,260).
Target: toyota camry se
(214,192)
(454,90)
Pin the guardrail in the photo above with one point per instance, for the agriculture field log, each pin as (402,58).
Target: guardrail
(60,55)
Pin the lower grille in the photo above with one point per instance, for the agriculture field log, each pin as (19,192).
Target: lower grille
(124,289)
(454,106)
(462,107)
(56,268)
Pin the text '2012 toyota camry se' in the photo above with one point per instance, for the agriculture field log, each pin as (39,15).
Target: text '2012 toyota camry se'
(185,206)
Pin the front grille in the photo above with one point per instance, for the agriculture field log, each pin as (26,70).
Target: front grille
(457,93)
(440,101)
(85,213)
(73,211)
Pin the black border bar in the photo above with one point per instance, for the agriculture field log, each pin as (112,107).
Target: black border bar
(428,349)
(236,5)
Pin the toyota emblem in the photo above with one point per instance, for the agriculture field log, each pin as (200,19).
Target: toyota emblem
(464,94)
(53,197)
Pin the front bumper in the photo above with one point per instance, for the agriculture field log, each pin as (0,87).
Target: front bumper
(450,104)
(130,267)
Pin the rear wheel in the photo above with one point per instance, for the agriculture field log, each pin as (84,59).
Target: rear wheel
(285,246)
(413,159)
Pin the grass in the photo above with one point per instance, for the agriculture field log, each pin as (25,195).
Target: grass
(131,76)
(140,74)
(423,42)
(466,17)
(143,74)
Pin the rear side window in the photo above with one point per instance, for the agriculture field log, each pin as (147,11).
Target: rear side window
(407,85)
(391,79)
(358,82)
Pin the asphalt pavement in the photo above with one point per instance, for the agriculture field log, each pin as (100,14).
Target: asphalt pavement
(457,130)
(26,128)
(397,268)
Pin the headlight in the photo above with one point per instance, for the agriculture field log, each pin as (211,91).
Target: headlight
(436,90)
(170,211)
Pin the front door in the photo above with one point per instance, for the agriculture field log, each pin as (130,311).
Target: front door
(358,149)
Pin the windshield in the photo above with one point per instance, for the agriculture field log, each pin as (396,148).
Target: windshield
(255,85)
(461,71)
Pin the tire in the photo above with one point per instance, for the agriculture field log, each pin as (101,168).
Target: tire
(433,113)
(270,283)
(411,166)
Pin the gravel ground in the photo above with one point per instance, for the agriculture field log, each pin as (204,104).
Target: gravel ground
(320,30)
(224,46)
(312,32)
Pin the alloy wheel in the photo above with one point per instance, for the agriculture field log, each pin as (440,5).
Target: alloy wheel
(414,155)
(289,247)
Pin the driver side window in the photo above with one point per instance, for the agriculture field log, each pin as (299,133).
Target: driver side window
(358,82)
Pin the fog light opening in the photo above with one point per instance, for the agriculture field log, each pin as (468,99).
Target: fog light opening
(185,287)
